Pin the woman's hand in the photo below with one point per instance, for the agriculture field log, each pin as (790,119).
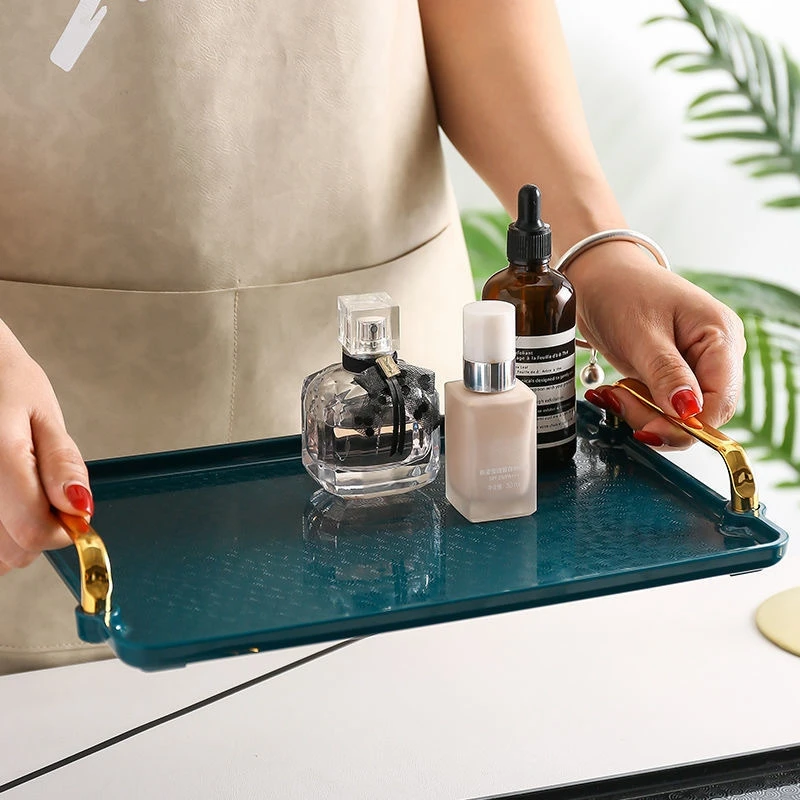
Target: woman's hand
(652,324)
(40,466)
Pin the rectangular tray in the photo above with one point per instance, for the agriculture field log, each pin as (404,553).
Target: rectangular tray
(229,549)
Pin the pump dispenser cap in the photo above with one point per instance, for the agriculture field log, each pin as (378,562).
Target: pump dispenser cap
(529,238)
(369,324)
(489,346)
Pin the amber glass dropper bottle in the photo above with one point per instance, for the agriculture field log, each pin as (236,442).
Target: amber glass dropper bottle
(545,306)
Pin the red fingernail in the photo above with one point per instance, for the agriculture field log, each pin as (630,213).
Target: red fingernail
(611,401)
(693,422)
(685,403)
(80,498)
(645,437)
(73,523)
(596,399)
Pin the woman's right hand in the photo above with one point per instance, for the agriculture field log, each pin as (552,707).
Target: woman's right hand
(41,468)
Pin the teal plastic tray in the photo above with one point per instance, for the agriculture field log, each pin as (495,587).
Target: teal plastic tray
(224,550)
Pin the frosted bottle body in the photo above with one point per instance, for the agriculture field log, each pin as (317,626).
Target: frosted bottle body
(491,452)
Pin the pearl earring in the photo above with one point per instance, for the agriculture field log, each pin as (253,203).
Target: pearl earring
(592,374)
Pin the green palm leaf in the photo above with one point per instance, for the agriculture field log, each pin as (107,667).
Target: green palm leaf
(768,410)
(785,202)
(763,80)
(485,235)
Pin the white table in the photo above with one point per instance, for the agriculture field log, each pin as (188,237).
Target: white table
(500,704)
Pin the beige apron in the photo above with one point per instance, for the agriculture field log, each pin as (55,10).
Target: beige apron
(185,188)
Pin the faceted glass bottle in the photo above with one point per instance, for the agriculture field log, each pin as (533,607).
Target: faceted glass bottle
(545,306)
(370,423)
(491,423)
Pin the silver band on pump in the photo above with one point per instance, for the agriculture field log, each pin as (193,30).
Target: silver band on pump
(498,377)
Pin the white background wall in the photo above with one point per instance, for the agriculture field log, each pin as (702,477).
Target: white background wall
(705,212)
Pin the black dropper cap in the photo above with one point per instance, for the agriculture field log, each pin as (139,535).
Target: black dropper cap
(528,238)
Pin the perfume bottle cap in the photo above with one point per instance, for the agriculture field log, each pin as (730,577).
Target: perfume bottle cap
(369,324)
(489,332)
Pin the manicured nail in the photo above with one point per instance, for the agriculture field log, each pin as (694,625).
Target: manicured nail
(80,498)
(75,524)
(612,404)
(693,422)
(596,399)
(645,437)
(685,403)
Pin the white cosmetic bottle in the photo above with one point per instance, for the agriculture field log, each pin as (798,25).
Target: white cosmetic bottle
(490,424)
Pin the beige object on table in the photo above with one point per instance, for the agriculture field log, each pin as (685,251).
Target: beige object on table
(778,618)
(186,188)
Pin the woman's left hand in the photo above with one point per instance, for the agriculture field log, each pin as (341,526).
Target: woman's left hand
(651,324)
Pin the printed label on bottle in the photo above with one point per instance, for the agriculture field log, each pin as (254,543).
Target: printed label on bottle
(547,365)
(505,480)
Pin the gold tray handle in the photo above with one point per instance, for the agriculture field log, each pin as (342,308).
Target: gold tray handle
(96,583)
(744,496)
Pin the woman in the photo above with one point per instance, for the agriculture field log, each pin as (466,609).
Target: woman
(189,186)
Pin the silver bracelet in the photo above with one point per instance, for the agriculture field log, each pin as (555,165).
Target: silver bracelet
(592,374)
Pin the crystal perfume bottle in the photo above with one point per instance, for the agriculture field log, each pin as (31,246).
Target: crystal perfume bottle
(370,423)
